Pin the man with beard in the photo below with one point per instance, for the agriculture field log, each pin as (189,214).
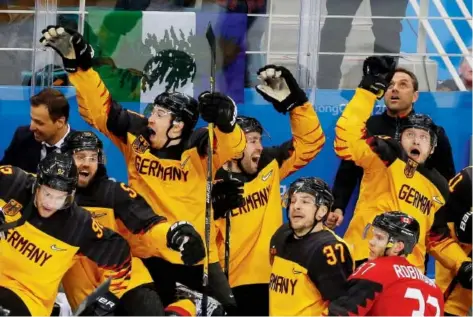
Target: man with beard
(249,190)
(119,208)
(400,97)
(395,174)
(161,156)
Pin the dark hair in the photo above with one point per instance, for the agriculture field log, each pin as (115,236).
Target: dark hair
(415,82)
(54,100)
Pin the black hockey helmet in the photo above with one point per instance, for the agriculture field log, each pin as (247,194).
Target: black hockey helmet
(463,227)
(420,121)
(400,227)
(249,124)
(58,171)
(183,108)
(77,141)
(314,186)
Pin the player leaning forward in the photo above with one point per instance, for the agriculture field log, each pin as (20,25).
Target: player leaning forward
(395,172)
(160,155)
(36,254)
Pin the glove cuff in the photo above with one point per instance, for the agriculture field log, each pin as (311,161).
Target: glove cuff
(70,65)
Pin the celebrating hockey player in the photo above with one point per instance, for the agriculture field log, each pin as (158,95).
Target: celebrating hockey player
(118,207)
(457,286)
(310,263)
(388,285)
(163,165)
(51,231)
(396,177)
(256,213)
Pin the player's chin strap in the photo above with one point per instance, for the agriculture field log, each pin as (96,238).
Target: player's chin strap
(313,226)
(173,120)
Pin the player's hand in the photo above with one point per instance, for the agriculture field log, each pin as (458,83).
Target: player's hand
(104,305)
(465,274)
(280,88)
(70,45)
(219,109)
(463,227)
(334,218)
(182,237)
(226,196)
(378,71)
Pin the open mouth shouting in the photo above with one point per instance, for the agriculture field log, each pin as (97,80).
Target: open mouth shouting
(414,153)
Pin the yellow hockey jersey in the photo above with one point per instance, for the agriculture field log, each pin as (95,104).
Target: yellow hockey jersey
(179,172)
(459,301)
(392,181)
(253,225)
(307,273)
(35,255)
(119,208)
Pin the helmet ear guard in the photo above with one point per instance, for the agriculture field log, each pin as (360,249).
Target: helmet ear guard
(400,227)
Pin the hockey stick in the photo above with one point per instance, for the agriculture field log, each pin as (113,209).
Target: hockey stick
(209,34)
(452,285)
(99,291)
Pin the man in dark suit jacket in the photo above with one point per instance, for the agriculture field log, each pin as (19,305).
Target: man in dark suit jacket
(399,100)
(46,132)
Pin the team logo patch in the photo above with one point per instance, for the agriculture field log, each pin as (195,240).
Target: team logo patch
(12,208)
(272,254)
(140,145)
(411,167)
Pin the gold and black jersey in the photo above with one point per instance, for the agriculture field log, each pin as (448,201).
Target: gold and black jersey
(459,301)
(35,256)
(119,208)
(172,180)
(253,224)
(392,181)
(307,273)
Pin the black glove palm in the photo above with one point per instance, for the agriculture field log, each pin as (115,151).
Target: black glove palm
(227,195)
(184,238)
(219,109)
(377,74)
(464,275)
(280,88)
(70,45)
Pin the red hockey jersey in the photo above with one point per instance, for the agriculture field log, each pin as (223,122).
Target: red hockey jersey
(389,286)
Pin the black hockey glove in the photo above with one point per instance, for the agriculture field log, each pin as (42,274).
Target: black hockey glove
(280,88)
(70,45)
(227,195)
(464,275)
(219,109)
(184,238)
(103,306)
(377,74)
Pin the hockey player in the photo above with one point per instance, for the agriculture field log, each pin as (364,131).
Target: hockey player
(52,231)
(257,214)
(310,263)
(119,208)
(395,176)
(388,285)
(457,287)
(166,168)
